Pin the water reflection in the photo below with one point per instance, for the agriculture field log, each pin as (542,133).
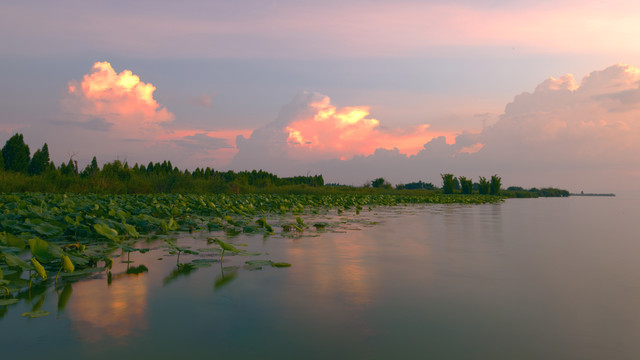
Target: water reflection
(63,297)
(341,270)
(115,309)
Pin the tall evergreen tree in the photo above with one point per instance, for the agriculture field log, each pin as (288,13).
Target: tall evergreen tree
(40,161)
(16,154)
(91,169)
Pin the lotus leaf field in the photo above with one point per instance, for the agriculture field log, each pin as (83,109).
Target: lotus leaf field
(50,240)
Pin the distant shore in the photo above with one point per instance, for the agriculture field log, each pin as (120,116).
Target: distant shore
(588,194)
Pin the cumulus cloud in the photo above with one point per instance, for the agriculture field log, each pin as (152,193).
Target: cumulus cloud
(311,129)
(563,133)
(122,110)
(121,100)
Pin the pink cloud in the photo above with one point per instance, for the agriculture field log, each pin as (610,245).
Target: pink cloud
(308,29)
(577,135)
(124,109)
(121,100)
(313,129)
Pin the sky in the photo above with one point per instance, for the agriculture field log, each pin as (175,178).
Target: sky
(542,93)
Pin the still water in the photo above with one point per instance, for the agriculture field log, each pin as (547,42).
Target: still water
(525,279)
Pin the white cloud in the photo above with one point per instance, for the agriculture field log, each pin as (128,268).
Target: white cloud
(561,134)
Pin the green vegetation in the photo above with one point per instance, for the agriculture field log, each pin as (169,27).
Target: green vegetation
(78,235)
(416,186)
(39,174)
(519,192)
(466,185)
(448,183)
(16,155)
(483,186)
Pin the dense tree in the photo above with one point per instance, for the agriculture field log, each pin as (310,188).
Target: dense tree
(466,185)
(416,186)
(448,183)
(483,186)
(40,161)
(16,154)
(70,168)
(91,169)
(494,186)
(380,183)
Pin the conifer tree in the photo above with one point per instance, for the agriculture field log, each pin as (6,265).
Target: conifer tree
(16,154)
(40,161)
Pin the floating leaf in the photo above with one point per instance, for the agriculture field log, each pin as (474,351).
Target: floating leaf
(249,253)
(35,314)
(281,264)
(257,264)
(137,270)
(209,250)
(205,261)
(4,302)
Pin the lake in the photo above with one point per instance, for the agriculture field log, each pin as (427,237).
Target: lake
(549,278)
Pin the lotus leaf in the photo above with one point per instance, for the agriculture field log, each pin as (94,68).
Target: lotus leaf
(12,240)
(13,260)
(4,302)
(106,231)
(35,314)
(43,250)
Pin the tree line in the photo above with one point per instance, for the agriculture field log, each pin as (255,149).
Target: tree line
(467,186)
(22,171)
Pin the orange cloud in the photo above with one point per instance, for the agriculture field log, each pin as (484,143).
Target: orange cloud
(343,133)
(123,107)
(122,100)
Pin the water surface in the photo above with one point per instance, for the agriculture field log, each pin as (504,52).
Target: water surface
(525,279)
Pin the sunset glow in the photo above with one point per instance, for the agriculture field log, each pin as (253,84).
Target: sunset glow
(120,99)
(346,132)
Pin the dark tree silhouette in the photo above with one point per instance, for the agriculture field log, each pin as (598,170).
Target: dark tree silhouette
(494,187)
(40,161)
(466,185)
(16,154)
(448,183)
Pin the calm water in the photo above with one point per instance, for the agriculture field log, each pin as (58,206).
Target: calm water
(525,279)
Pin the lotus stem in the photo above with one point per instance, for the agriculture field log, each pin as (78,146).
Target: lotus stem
(58,273)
